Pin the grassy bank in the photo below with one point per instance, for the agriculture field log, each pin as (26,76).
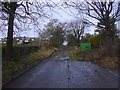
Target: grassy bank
(96,56)
(14,67)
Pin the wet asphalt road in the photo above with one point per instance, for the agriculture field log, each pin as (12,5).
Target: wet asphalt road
(59,71)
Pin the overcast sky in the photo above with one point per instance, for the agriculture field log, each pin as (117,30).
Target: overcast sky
(63,14)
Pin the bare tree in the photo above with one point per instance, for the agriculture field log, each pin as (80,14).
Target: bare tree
(11,11)
(106,13)
(77,28)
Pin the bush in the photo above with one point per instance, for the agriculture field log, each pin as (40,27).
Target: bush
(97,40)
(19,51)
(96,56)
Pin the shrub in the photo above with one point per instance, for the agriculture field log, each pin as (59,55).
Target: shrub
(97,40)
(19,51)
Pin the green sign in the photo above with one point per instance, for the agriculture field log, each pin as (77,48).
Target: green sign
(85,46)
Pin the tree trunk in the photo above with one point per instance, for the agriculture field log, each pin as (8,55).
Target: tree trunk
(10,35)
(109,40)
(78,41)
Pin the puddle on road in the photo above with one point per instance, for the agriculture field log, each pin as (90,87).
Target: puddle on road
(62,59)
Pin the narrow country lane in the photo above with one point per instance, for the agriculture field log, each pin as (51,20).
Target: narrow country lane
(59,71)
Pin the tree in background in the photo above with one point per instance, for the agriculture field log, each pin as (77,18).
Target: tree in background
(57,37)
(54,32)
(77,29)
(49,28)
(71,40)
(86,37)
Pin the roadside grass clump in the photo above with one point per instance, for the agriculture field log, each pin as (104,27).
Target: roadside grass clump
(74,57)
(11,68)
(109,62)
(74,54)
(96,56)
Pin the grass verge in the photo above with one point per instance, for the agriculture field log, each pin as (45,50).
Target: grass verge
(95,56)
(13,67)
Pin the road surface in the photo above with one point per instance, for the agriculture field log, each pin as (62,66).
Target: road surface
(59,71)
